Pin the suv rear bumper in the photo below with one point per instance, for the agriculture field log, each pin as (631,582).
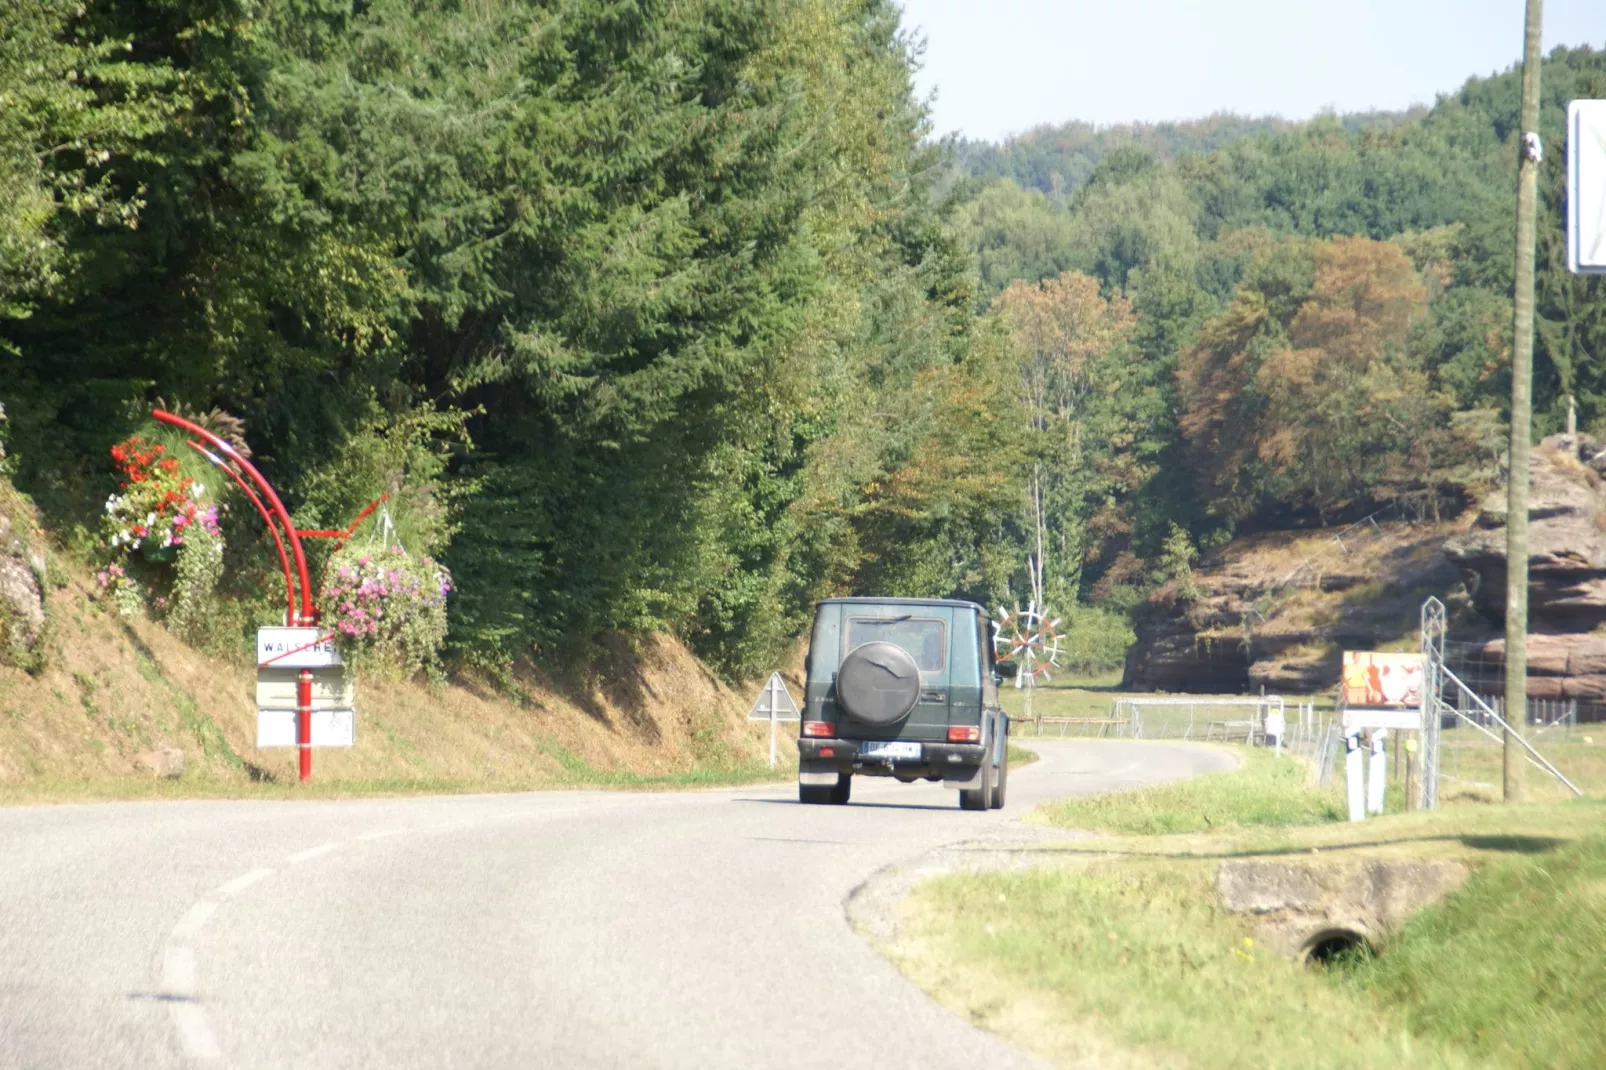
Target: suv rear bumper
(942,761)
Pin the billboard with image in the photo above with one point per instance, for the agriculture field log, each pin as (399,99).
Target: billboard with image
(1375,678)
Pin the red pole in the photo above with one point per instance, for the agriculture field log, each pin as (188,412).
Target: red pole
(309,615)
(278,540)
(304,722)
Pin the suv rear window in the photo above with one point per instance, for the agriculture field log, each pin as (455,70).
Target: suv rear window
(925,638)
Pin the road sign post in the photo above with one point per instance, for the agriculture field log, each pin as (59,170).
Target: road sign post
(774,704)
(300,676)
(304,722)
(301,613)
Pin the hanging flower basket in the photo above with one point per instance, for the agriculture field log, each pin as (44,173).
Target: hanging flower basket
(386,601)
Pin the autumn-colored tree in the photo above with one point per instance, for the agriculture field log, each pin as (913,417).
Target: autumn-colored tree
(1316,409)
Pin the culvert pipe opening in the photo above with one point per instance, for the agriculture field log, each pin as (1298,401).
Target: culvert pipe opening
(1336,947)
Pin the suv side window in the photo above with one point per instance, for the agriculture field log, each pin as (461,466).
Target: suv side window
(989,686)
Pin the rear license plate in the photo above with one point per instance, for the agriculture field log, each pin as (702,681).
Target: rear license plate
(897,751)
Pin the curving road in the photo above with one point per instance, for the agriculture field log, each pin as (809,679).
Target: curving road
(564,929)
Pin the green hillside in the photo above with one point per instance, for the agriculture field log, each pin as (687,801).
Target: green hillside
(671,318)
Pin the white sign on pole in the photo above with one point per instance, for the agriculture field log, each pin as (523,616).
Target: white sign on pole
(775,697)
(1586,186)
(330,728)
(331,689)
(1357,719)
(295,648)
(774,704)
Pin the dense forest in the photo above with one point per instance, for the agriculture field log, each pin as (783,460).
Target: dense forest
(672,316)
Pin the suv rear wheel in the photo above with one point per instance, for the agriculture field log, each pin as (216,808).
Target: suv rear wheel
(1000,782)
(827,794)
(981,796)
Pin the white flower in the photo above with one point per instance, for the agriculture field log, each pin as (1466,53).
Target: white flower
(200,489)
(150,521)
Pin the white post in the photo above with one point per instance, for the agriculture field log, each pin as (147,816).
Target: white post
(774,702)
(1377,775)
(1355,788)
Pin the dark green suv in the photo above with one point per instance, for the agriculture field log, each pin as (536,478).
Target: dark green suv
(904,688)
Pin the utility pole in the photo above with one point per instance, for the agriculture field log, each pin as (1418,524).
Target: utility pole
(1522,349)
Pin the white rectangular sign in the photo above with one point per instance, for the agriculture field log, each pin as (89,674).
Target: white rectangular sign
(295,648)
(1586,186)
(1395,720)
(330,728)
(331,689)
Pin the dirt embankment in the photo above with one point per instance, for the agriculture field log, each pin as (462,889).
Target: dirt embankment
(95,699)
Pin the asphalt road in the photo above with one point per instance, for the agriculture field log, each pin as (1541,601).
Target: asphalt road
(564,929)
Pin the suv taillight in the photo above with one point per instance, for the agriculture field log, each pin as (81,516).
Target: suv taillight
(819,729)
(964,733)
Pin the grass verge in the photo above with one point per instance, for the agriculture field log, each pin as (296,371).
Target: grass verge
(1116,952)
(1264,790)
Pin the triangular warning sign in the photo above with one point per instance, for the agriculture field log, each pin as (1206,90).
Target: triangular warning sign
(774,699)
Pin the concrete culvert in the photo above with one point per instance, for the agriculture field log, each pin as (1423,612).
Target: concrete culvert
(1335,947)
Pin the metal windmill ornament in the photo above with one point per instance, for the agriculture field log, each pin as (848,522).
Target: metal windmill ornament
(1028,639)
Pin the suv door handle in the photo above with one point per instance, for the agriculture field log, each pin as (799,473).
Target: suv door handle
(933,696)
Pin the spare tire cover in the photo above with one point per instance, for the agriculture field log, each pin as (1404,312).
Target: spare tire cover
(878,683)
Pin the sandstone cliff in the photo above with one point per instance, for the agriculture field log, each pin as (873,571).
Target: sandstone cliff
(1277,609)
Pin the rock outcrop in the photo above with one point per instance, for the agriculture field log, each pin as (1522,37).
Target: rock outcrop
(1566,570)
(22,599)
(1277,609)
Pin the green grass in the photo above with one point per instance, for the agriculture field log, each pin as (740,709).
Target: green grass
(1512,968)
(1132,964)
(1264,790)
(1116,952)
(1019,755)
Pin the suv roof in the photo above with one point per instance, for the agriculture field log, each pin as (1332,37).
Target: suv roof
(860,600)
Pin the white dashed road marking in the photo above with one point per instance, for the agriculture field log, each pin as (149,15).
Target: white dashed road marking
(191,922)
(178,972)
(244,881)
(312,852)
(189,1022)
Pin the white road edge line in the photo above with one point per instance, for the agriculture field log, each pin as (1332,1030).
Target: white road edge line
(194,918)
(194,1032)
(178,972)
(381,834)
(244,881)
(312,852)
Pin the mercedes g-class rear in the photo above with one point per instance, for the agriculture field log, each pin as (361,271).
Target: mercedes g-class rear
(902,688)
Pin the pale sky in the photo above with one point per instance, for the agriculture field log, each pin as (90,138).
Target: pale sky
(1005,66)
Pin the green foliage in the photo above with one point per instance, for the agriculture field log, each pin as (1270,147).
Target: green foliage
(659,316)
(1177,555)
(193,610)
(1531,920)
(1093,639)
